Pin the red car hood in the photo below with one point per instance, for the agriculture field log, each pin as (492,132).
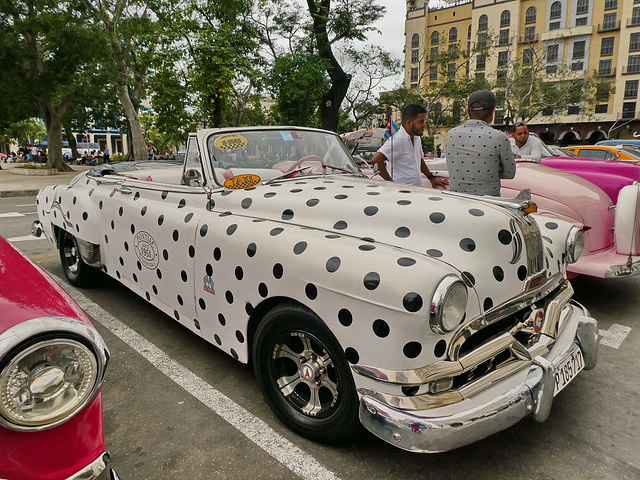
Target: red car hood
(25,294)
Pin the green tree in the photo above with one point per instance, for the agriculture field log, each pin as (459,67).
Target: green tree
(22,131)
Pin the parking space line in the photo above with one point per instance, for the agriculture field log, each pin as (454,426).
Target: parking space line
(614,336)
(25,238)
(256,430)
(11,215)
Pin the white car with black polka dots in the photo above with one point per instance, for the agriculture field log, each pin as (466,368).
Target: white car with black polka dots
(433,319)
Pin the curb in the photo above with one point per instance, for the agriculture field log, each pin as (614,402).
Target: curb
(19,193)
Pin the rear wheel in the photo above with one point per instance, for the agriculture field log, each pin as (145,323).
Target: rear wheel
(77,272)
(304,375)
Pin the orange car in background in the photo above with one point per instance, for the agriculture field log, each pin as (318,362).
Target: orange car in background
(607,152)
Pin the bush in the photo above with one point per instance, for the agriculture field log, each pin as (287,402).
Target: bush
(116,158)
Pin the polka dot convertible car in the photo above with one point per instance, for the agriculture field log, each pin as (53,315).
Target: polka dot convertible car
(431,318)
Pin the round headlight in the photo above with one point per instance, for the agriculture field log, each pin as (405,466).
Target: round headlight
(575,244)
(448,305)
(47,383)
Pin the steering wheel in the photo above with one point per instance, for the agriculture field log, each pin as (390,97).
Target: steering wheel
(297,163)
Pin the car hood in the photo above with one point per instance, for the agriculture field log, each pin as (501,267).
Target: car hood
(27,292)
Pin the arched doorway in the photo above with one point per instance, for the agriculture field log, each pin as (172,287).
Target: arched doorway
(569,138)
(596,136)
(547,137)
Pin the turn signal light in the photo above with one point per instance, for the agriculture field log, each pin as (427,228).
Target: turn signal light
(531,208)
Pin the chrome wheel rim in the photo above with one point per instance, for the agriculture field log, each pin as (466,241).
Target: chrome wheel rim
(71,254)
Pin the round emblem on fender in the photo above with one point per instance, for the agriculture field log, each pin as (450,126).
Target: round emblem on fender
(537,322)
(239,182)
(307,372)
(146,250)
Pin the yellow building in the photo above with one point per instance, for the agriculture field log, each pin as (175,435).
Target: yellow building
(565,39)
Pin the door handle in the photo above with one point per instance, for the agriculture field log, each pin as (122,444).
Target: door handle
(122,189)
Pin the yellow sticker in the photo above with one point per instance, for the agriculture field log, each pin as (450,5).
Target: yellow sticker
(239,182)
(230,142)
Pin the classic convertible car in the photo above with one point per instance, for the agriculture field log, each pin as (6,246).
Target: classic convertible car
(52,363)
(433,319)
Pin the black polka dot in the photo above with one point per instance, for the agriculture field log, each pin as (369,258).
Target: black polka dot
(352,355)
(188,217)
(85,215)
(432,252)
(159,274)
(340,197)
(176,315)
(406,262)
(344,317)
(436,217)
(522,272)
(381,328)
(468,278)
(467,245)
(404,202)
(277,271)
(498,273)
(551,225)
(120,211)
(312,202)
(202,304)
(299,248)
(192,251)
(340,225)
(133,229)
(155,290)
(370,211)
(412,302)
(440,348)
(239,273)
(217,339)
(176,235)
(222,320)
(204,229)
(211,204)
(228,296)
(488,303)
(160,219)
(547,239)
(231,229)
(311,291)
(263,290)
(403,232)
(164,195)
(251,249)
(412,349)
(182,203)
(476,213)
(366,247)
(269,194)
(209,269)
(287,214)
(276,231)
(180,301)
(196,324)
(505,237)
(333,264)
(371,280)
(184,276)
(217,253)
(246,203)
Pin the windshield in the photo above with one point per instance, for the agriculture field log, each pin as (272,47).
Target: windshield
(272,153)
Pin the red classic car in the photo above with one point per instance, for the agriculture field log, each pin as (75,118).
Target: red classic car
(52,363)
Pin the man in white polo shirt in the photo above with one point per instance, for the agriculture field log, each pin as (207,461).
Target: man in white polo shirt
(525,146)
(403,151)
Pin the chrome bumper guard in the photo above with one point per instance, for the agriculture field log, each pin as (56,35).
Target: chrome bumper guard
(98,469)
(421,431)
(624,270)
(36,229)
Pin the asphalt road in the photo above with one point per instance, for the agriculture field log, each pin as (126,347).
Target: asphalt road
(177,407)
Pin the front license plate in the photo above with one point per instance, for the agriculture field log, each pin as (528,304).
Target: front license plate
(568,368)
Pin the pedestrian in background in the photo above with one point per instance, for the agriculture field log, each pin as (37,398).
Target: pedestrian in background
(478,156)
(524,146)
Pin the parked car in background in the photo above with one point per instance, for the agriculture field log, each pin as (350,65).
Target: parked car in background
(365,152)
(433,319)
(634,142)
(52,363)
(606,152)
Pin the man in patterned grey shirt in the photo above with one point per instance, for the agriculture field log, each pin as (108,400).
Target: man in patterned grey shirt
(478,156)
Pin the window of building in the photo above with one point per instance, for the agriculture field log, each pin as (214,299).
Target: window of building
(414,85)
(577,66)
(555,11)
(554,26)
(528,56)
(551,69)
(609,21)
(610,4)
(482,40)
(529,34)
(547,111)
(582,7)
(606,47)
(414,74)
(631,89)
(498,117)
(501,77)
(633,64)
(415,55)
(453,35)
(483,23)
(573,110)
(505,18)
(481,62)
(603,90)
(433,74)
(628,109)
(581,21)
(469,32)
(503,58)
(433,56)
(504,37)
(530,16)
(578,49)
(602,108)
(635,16)
(552,53)
(468,48)
(451,70)
(634,42)
(415,40)
(604,67)
(453,50)
(435,38)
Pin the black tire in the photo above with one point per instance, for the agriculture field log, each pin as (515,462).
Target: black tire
(77,272)
(292,340)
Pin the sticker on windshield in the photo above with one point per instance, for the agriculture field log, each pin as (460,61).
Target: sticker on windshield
(287,136)
(240,182)
(230,142)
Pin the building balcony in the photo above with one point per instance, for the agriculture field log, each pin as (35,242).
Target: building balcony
(609,27)
(631,70)
(567,32)
(606,73)
(633,22)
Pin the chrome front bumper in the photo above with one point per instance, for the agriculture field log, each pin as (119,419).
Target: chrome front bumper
(98,469)
(624,270)
(425,431)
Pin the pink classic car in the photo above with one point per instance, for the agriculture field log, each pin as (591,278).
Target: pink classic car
(52,363)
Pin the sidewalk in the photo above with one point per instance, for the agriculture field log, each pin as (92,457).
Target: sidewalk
(14,185)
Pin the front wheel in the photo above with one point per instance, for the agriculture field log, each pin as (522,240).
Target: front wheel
(77,272)
(304,375)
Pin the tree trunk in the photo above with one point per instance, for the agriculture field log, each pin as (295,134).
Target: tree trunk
(138,146)
(71,138)
(52,116)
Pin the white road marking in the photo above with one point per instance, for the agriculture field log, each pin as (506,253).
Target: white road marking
(256,430)
(26,237)
(614,336)
(26,205)
(11,215)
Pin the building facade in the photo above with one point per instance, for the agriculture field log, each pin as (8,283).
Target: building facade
(568,40)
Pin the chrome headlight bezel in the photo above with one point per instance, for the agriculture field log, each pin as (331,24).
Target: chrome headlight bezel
(445,316)
(57,363)
(574,245)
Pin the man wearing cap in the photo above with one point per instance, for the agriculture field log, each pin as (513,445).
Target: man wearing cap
(403,151)
(524,146)
(478,156)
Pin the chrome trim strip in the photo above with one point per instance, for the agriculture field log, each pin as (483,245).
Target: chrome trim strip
(94,469)
(621,271)
(63,326)
(90,253)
